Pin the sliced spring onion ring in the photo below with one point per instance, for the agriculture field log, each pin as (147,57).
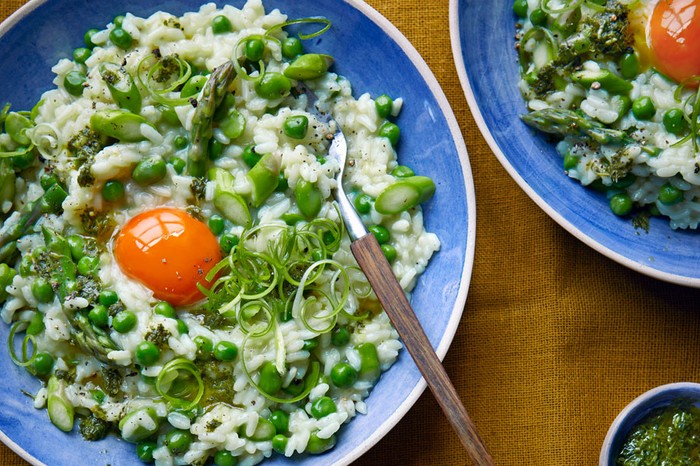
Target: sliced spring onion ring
(27,341)
(177,381)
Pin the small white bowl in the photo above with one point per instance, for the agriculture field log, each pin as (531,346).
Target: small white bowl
(637,410)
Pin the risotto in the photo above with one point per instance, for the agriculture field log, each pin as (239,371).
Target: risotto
(621,98)
(173,267)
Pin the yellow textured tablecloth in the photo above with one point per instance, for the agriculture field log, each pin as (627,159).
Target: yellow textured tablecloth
(555,338)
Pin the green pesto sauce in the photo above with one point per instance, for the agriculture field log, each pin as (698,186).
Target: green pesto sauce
(667,436)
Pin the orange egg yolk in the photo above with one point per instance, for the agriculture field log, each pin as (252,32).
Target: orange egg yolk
(169,252)
(673,35)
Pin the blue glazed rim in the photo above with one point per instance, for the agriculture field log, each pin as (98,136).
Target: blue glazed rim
(482,45)
(639,408)
(31,46)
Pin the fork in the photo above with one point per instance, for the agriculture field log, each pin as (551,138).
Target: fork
(391,295)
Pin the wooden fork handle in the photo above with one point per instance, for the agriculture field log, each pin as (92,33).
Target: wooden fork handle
(371,259)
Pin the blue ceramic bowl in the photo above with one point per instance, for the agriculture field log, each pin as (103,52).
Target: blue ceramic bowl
(377,59)
(637,410)
(483,47)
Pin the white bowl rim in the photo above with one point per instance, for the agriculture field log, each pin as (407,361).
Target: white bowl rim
(460,146)
(556,216)
(641,399)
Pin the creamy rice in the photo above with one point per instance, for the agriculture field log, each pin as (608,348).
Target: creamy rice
(222,425)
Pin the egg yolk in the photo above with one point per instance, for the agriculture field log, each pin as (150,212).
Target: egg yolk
(169,252)
(674,38)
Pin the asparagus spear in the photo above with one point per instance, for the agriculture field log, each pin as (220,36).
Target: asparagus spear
(91,339)
(49,202)
(213,93)
(569,123)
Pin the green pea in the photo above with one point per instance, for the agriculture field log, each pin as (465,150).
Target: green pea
(42,290)
(318,445)
(643,108)
(343,375)
(669,194)
(108,297)
(292,47)
(384,105)
(145,449)
(402,171)
(149,171)
(381,233)
(322,407)
(99,316)
(215,149)
(273,85)
(124,321)
(43,363)
(538,17)
(165,309)
(254,49)
(87,38)
(74,83)
(340,336)
(178,440)
(118,20)
(363,203)
(227,242)
(621,204)
(205,347)
(270,380)
(674,121)
(250,157)
(389,252)
(180,142)
(629,65)
(121,38)
(81,54)
(280,419)
(147,353)
(88,265)
(221,25)
(225,351)
(520,8)
(216,224)
(309,198)
(390,131)
(178,164)
(295,126)
(225,458)
(279,443)
(113,191)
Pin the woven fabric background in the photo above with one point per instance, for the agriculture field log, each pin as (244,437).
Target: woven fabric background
(555,338)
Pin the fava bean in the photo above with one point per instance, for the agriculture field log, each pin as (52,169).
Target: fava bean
(309,198)
(273,85)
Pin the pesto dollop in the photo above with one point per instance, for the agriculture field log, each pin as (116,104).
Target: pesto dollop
(668,435)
